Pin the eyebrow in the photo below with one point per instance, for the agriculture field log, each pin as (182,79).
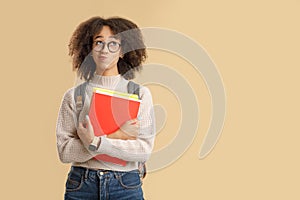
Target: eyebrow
(100,36)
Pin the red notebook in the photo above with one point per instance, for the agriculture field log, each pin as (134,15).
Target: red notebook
(109,110)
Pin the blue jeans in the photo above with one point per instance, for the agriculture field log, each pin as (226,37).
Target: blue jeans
(87,184)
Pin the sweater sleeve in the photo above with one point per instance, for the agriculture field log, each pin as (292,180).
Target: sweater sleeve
(141,148)
(70,148)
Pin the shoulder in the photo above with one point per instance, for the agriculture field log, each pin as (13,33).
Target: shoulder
(68,96)
(146,97)
(71,92)
(145,92)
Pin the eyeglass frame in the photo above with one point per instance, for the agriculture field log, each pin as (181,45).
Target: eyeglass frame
(107,45)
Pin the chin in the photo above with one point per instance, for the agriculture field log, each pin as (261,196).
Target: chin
(103,67)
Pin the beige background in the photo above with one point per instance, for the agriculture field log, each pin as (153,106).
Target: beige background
(255,45)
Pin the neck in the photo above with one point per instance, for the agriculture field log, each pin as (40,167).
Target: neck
(106,81)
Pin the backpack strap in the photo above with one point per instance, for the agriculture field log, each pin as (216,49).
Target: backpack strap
(79,96)
(133,88)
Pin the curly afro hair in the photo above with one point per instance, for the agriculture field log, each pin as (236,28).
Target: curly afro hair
(133,47)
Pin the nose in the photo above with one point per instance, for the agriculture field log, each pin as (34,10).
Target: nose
(105,48)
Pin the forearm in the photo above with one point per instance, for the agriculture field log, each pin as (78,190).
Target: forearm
(73,150)
(70,147)
(129,150)
(119,134)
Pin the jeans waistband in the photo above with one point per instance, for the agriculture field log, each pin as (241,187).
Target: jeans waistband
(86,171)
(89,169)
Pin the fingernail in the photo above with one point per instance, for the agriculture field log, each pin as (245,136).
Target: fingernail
(87,117)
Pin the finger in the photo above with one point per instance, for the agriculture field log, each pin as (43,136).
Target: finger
(127,123)
(89,125)
(132,138)
(88,122)
(134,127)
(133,121)
(81,130)
(80,126)
(87,118)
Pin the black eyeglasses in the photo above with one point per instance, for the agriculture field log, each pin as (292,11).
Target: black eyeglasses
(112,46)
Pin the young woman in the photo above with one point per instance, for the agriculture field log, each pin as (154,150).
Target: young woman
(105,53)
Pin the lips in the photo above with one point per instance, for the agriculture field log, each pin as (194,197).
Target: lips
(103,57)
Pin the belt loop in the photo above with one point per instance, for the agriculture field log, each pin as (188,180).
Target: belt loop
(117,176)
(86,174)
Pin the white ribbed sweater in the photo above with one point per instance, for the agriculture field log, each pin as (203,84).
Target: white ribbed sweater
(72,150)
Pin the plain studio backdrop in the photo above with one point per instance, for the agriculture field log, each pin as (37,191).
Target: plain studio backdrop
(254,44)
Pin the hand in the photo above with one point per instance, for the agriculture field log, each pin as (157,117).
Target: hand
(86,132)
(128,131)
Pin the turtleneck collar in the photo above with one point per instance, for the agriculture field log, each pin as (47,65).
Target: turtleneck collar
(106,81)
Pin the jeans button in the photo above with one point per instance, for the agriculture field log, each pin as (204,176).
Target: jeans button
(101,173)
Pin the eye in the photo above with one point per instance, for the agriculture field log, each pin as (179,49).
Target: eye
(112,43)
(99,42)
